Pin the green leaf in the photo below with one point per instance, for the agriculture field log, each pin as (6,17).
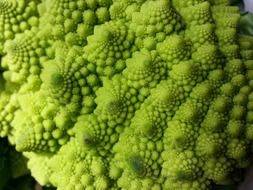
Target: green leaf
(234,2)
(225,187)
(246,23)
(4,164)
(4,172)
(21,183)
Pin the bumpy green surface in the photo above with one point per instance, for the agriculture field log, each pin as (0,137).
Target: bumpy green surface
(127,94)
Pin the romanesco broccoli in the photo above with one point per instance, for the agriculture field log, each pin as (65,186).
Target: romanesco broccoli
(127,94)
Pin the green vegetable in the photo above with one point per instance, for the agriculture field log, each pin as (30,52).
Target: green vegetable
(127,94)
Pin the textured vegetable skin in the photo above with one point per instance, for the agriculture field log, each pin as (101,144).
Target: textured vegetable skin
(127,94)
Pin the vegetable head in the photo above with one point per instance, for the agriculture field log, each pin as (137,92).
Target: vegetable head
(127,94)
